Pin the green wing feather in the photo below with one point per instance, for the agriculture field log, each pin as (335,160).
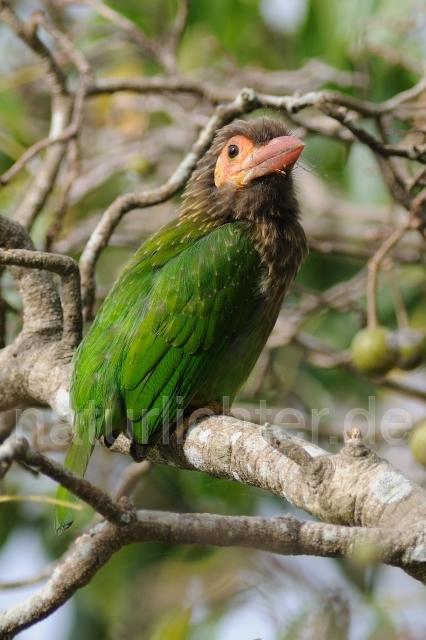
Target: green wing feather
(162,329)
(95,393)
(199,302)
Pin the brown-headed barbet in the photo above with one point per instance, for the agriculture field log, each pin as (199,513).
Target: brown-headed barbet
(186,321)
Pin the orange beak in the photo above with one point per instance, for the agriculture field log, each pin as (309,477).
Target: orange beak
(278,156)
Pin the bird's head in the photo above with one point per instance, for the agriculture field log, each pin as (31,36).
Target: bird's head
(246,173)
(241,161)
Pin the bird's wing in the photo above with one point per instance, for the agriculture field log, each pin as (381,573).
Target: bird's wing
(95,394)
(200,300)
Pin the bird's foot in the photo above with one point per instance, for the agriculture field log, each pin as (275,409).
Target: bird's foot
(110,438)
(213,408)
(177,436)
(139,451)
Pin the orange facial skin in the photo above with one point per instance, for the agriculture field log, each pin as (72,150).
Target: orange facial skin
(241,161)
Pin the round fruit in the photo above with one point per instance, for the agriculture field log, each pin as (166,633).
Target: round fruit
(374,351)
(412,348)
(418,442)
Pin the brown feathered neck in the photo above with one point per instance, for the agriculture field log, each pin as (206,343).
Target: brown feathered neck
(269,203)
(272,196)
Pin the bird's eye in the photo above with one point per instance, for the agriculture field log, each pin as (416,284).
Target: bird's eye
(233,151)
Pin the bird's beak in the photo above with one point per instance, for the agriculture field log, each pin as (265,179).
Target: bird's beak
(278,156)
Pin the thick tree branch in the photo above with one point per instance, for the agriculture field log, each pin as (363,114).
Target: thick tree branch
(353,488)
(70,277)
(41,303)
(35,368)
(285,536)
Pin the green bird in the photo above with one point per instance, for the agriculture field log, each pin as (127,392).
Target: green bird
(185,323)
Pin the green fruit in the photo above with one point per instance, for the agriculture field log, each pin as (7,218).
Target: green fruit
(411,347)
(418,442)
(374,351)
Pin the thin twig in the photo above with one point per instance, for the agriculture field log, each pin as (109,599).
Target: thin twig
(373,267)
(341,114)
(67,134)
(44,574)
(27,32)
(67,47)
(147,45)
(74,163)
(130,478)
(178,26)
(36,196)
(19,450)
(400,310)
(161,84)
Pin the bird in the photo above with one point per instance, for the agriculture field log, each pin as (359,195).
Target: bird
(185,323)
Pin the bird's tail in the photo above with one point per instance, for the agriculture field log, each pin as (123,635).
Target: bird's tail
(77,459)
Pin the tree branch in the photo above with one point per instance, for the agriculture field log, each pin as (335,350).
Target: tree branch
(178,26)
(70,278)
(40,189)
(352,488)
(147,45)
(368,508)
(19,450)
(284,535)
(35,368)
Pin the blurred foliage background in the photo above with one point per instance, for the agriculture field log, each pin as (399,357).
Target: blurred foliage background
(132,142)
